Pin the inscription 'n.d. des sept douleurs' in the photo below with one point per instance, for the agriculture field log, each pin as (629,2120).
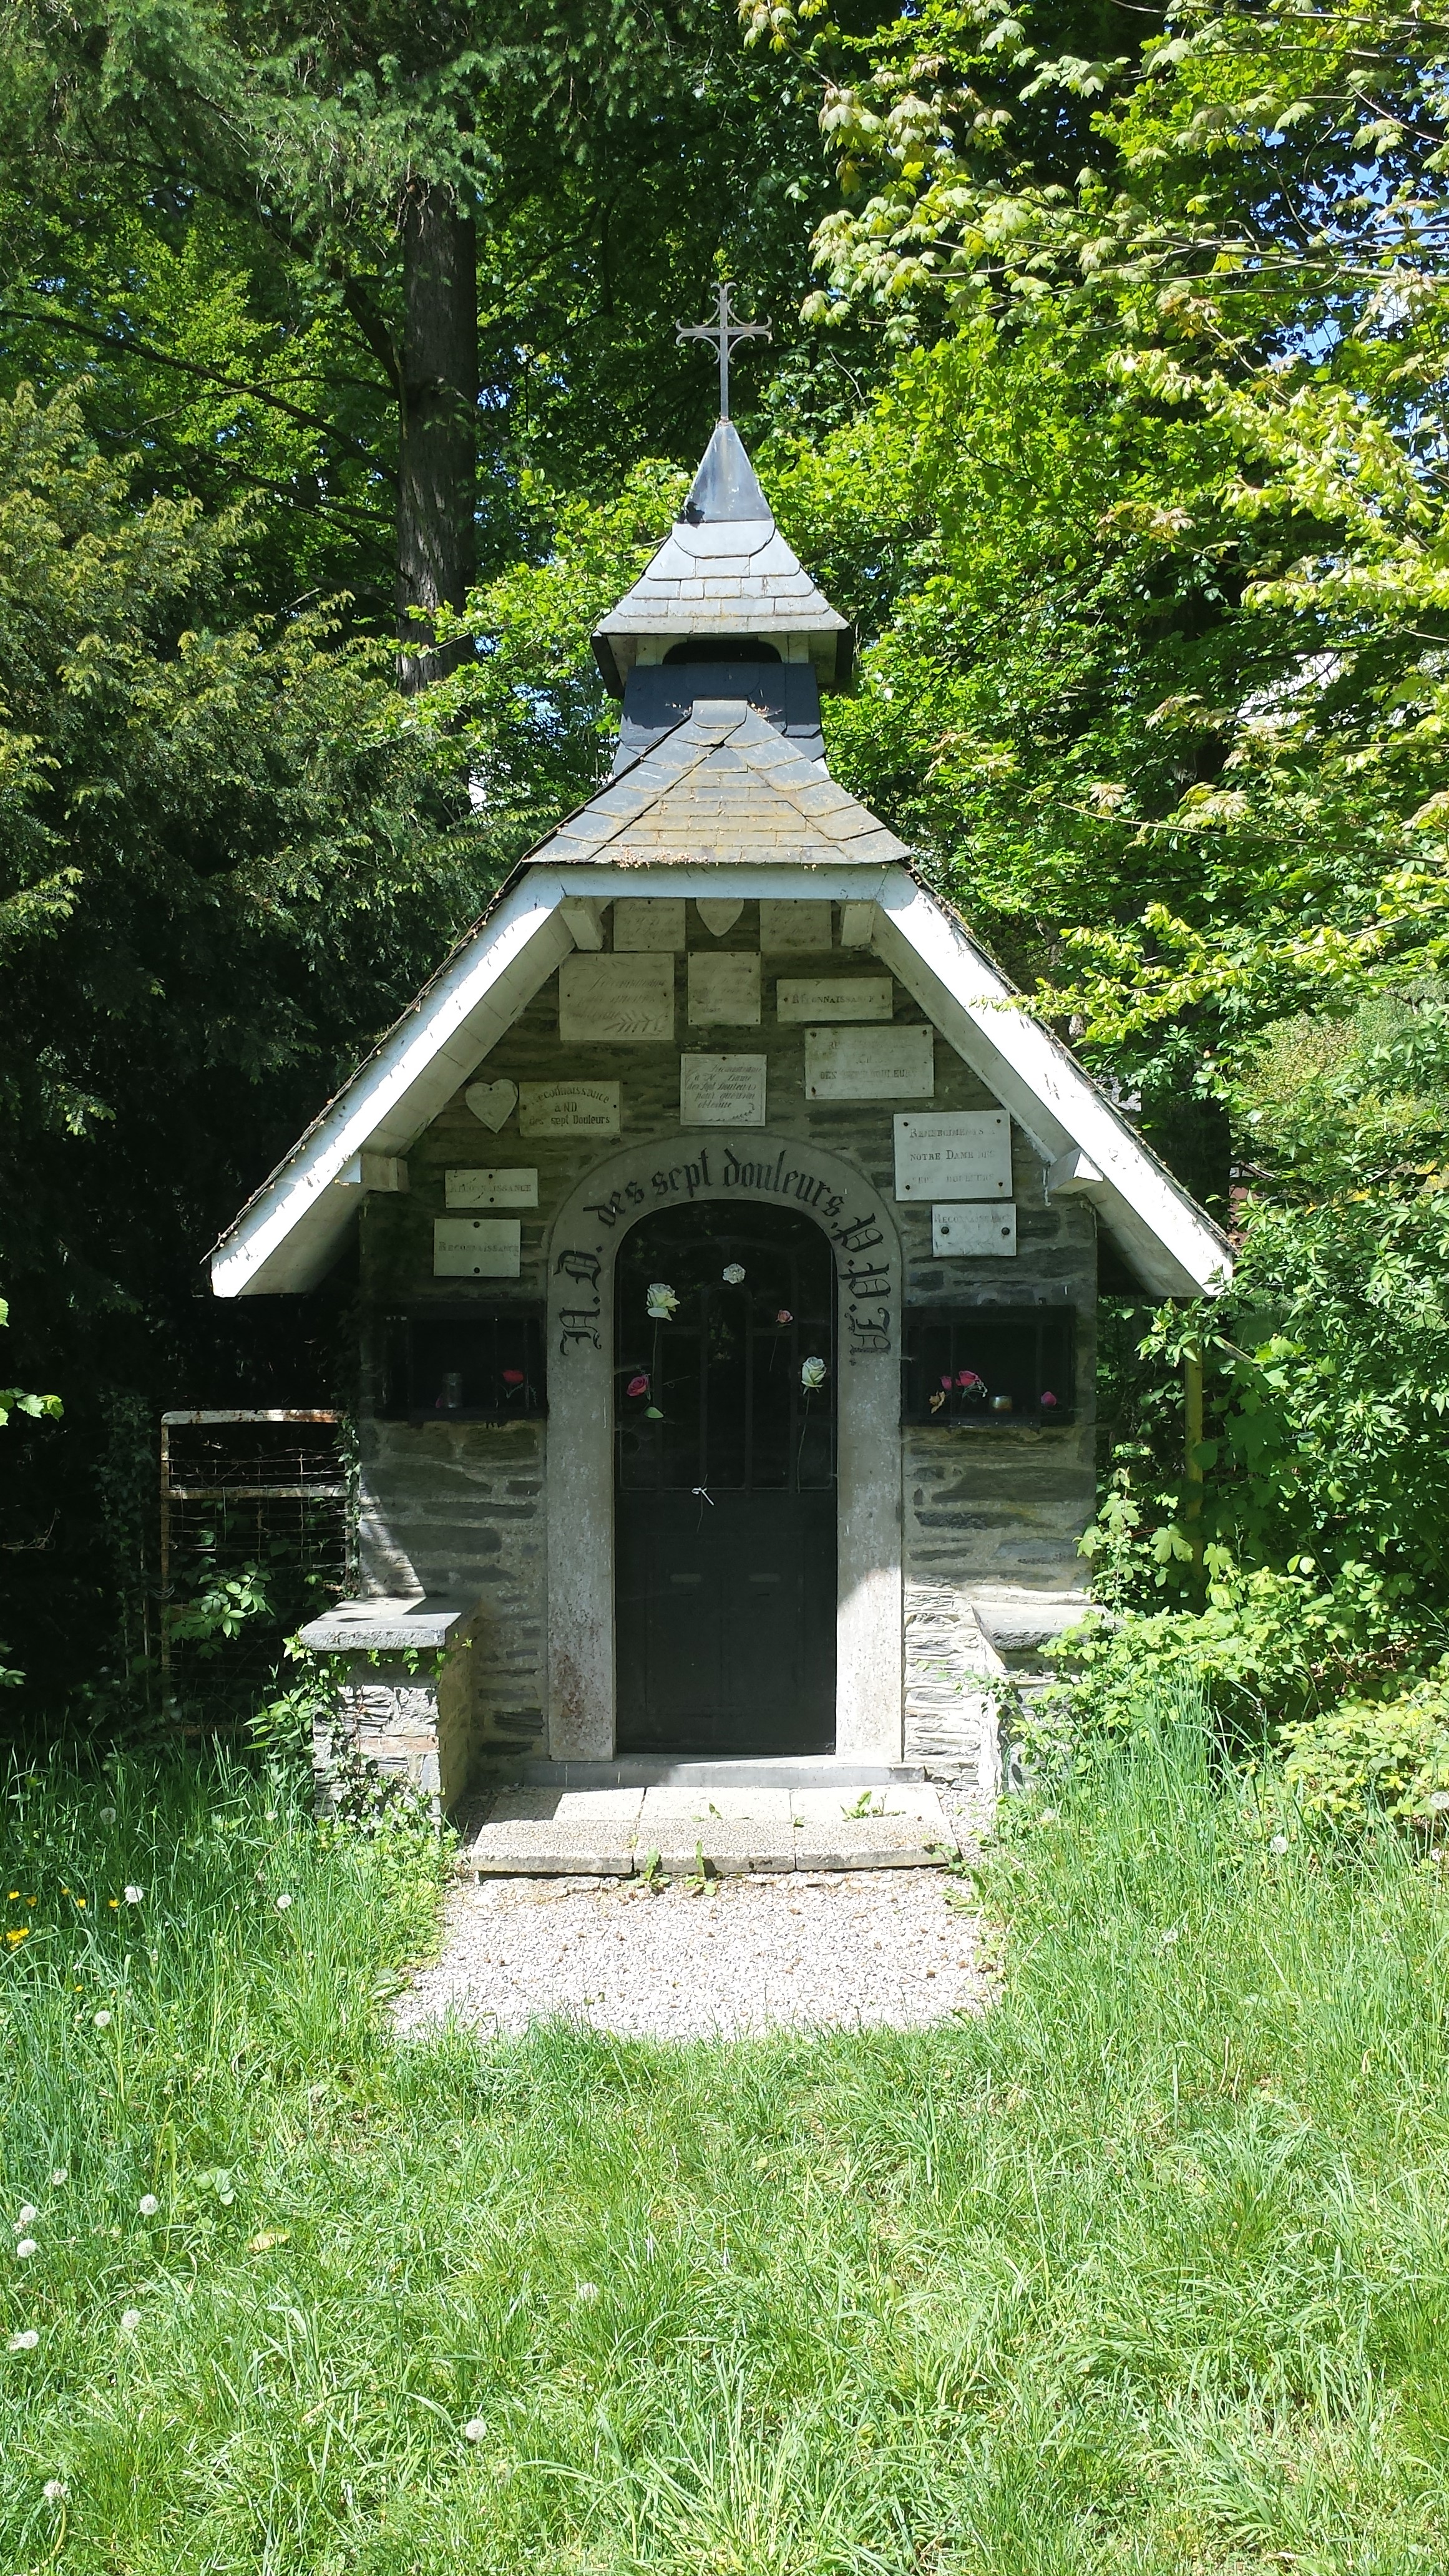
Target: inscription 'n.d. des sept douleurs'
(720,1170)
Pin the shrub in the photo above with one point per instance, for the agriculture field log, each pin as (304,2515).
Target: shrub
(1370,1758)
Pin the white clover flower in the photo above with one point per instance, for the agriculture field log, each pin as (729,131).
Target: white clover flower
(23,2342)
(1279,1844)
(586,2292)
(475,2430)
(130,2319)
(28,2215)
(148,2204)
(283,1902)
(55,2490)
(133,1895)
(102,2020)
(26,2247)
(61,2175)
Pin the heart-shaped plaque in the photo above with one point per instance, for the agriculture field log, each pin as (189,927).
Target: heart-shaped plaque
(492,1102)
(719,916)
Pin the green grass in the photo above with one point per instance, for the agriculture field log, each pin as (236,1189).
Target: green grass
(1148,2270)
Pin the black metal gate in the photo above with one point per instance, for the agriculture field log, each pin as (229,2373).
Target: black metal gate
(725,1549)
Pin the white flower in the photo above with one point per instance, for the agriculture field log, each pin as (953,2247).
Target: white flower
(586,2291)
(25,2342)
(60,2175)
(660,1301)
(475,2429)
(102,2020)
(55,2490)
(148,2204)
(26,2247)
(812,1374)
(28,2215)
(733,1274)
(1169,1937)
(133,1895)
(130,2319)
(283,1903)
(1279,1843)
(108,1815)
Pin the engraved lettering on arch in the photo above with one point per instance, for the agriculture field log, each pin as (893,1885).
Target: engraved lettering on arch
(580,1323)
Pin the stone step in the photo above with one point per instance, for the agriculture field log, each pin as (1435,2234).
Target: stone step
(679,1830)
(678,1771)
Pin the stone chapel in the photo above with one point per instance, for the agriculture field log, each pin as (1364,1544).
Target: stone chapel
(729,1256)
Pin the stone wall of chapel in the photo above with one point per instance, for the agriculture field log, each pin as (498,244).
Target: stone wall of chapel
(458,1507)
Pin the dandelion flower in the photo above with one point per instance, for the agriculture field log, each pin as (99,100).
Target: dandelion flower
(55,2490)
(28,2216)
(586,2292)
(1169,1937)
(1279,1844)
(108,1815)
(283,1903)
(475,2429)
(102,2020)
(148,2204)
(133,1895)
(23,2342)
(130,2319)
(60,2175)
(26,2247)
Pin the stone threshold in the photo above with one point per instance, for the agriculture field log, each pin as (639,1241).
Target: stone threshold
(681,1771)
(708,1829)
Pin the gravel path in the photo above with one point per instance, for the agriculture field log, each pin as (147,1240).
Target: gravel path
(741,1955)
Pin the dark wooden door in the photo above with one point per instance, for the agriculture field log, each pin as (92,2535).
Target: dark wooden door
(725,1485)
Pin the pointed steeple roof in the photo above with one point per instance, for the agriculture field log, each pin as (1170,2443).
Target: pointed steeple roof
(724,570)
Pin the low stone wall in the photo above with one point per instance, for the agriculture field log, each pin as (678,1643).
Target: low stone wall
(404,1710)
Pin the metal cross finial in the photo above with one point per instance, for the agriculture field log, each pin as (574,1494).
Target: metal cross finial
(724,331)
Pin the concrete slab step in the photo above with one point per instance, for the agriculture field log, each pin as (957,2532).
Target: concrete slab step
(748,1771)
(720,1830)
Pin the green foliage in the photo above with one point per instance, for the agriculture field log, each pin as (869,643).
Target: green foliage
(1369,1758)
(1144,2267)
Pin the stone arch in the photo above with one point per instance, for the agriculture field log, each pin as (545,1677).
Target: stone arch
(765,1169)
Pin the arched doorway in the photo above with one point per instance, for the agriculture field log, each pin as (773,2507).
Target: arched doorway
(725,1483)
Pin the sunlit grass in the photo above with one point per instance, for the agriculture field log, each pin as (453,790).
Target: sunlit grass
(1148,2270)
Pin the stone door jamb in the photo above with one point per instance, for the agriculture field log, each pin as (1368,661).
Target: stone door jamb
(754,1167)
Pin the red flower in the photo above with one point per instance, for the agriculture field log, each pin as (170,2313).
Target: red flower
(966,1377)
(637,1386)
(1048,1400)
(946,1382)
(513,1377)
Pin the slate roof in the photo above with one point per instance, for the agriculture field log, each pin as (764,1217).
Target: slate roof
(723,569)
(724,785)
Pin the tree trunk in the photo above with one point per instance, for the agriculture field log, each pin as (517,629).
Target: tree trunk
(437,447)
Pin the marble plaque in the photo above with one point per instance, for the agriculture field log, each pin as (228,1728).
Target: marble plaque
(722,1091)
(568,1109)
(804,925)
(954,1153)
(971,1227)
(724,988)
(478,1247)
(628,1000)
(514,1188)
(649,921)
(835,997)
(897,1063)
